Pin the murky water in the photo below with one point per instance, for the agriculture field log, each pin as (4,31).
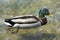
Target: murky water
(12,8)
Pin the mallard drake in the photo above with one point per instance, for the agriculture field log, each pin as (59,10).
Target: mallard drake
(29,21)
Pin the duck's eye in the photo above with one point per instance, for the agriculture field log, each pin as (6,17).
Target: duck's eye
(46,12)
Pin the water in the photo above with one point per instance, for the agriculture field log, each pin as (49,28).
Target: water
(50,31)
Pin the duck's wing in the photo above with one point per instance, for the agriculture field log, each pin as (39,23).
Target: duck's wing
(25,19)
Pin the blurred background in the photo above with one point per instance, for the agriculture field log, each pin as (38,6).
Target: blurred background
(12,8)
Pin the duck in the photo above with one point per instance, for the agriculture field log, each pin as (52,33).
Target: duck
(29,21)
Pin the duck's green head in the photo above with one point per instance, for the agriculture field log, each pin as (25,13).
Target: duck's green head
(43,12)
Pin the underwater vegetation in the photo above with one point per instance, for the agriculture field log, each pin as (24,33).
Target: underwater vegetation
(12,8)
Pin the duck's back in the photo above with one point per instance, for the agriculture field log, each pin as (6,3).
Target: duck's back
(25,19)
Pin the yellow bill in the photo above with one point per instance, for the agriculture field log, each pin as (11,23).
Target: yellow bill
(51,15)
